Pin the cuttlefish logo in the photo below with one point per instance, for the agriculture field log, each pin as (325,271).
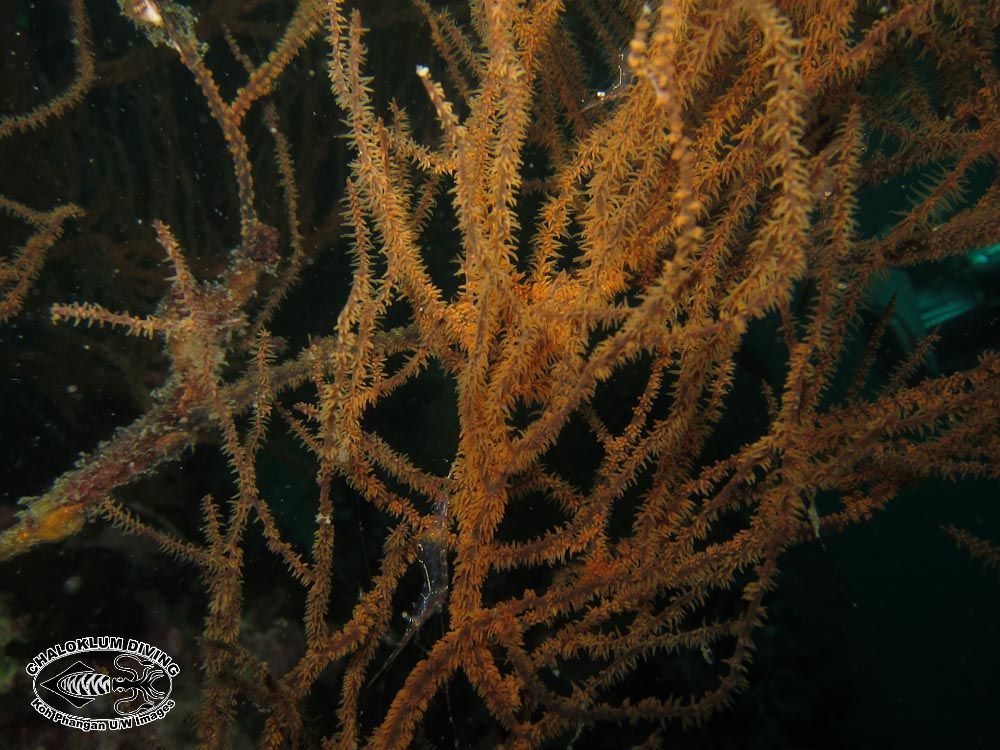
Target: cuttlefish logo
(102,683)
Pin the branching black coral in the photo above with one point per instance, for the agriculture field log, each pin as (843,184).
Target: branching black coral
(628,240)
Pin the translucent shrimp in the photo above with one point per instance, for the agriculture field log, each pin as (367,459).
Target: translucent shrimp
(433,560)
